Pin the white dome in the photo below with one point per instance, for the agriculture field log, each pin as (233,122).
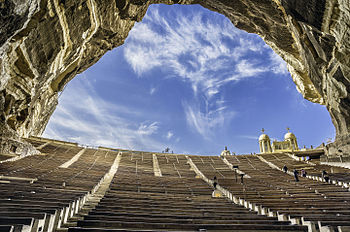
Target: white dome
(225,152)
(264,137)
(289,136)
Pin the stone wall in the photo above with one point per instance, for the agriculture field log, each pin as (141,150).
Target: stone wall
(45,43)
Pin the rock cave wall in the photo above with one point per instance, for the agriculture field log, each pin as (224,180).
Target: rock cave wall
(45,43)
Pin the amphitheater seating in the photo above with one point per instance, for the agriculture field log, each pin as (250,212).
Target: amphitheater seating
(320,203)
(34,187)
(36,194)
(137,200)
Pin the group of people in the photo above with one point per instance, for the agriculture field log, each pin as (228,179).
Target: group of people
(303,174)
(295,172)
(285,169)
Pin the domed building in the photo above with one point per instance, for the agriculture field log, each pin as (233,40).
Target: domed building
(264,143)
(289,144)
(290,137)
(225,152)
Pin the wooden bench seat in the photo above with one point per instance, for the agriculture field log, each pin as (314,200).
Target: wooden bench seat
(325,217)
(178,209)
(179,213)
(169,204)
(22,214)
(310,211)
(56,203)
(334,223)
(6,228)
(189,219)
(16,220)
(234,214)
(178,226)
(80,229)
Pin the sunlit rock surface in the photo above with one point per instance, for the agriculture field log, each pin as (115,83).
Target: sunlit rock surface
(45,43)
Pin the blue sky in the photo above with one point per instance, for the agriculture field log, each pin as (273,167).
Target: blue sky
(187,79)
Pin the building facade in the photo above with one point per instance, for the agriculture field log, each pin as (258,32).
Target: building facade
(289,144)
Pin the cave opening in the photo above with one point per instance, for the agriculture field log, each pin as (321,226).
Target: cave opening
(187,79)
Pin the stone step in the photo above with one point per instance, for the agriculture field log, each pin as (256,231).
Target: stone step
(82,214)
(75,218)
(90,205)
(94,199)
(84,211)
(69,224)
(61,230)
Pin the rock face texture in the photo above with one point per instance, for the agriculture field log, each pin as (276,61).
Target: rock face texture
(45,43)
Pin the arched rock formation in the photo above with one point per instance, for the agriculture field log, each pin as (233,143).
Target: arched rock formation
(45,43)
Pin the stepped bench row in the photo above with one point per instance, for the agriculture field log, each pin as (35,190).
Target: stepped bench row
(56,193)
(137,201)
(279,192)
(177,200)
(312,168)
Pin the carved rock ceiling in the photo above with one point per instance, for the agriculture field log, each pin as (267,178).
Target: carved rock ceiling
(45,43)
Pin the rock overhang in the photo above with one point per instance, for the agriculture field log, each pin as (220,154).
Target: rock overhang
(45,43)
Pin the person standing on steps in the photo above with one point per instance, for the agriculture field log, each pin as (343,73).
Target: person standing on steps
(296,175)
(285,169)
(324,173)
(325,176)
(242,175)
(215,182)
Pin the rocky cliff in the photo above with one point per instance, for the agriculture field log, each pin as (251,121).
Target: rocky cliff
(45,43)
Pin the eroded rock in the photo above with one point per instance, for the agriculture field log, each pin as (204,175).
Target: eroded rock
(45,43)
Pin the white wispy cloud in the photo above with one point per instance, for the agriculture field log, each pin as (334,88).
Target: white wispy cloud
(150,129)
(248,69)
(207,54)
(152,90)
(207,120)
(84,117)
(169,135)
(204,53)
(252,137)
